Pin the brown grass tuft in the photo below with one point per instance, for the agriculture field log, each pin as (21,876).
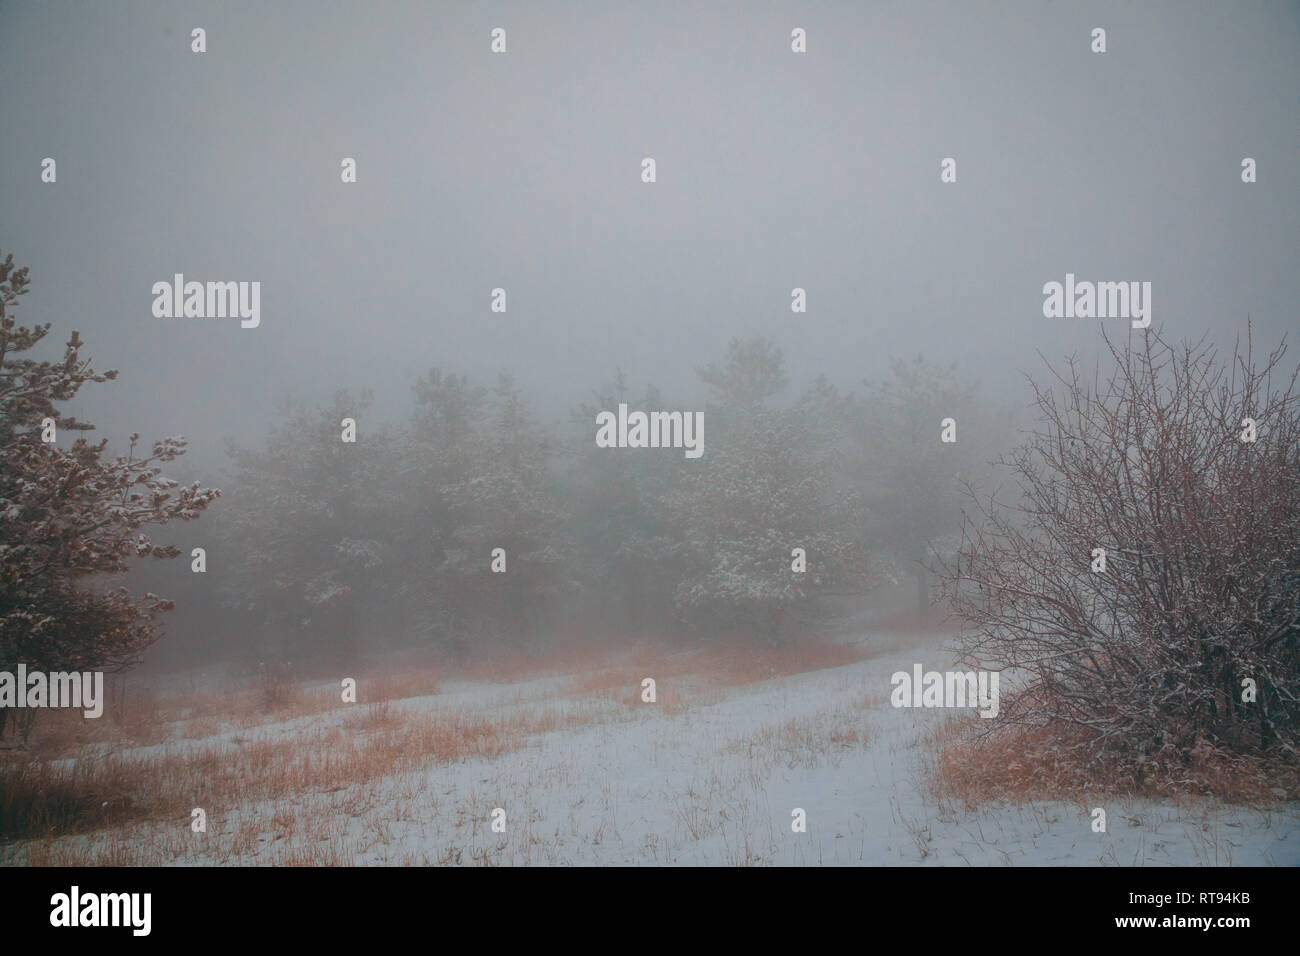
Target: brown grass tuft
(970,767)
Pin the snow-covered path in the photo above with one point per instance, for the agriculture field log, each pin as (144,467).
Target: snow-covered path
(708,775)
(718,784)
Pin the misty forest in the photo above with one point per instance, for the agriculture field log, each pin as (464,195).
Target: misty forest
(536,505)
(472,542)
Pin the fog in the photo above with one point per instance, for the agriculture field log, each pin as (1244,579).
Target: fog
(626,433)
(522,171)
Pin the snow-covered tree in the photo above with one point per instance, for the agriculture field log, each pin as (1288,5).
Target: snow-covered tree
(628,555)
(71,516)
(305,533)
(441,448)
(766,485)
(475,478)
(506,502)
(752,371)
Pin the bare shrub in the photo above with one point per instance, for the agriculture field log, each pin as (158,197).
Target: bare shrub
(1142,666)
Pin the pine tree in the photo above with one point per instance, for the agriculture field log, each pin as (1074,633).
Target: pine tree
(505,501)
(627,552)
(308,524)
(766,485)
(69,516)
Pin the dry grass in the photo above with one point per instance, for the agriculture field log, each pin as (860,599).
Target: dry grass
(225,748)
(726,665)
(39,798)
(970,768)
(612,681)
(597,667)
(143,718)
(513,665)
(809,741)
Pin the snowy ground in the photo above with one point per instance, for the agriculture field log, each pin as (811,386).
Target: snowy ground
(711,778)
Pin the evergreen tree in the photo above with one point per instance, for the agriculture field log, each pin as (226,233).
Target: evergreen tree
(70,516)
(766,485)
(310,509)
(627,550)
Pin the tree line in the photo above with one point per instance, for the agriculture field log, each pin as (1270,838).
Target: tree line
(472,527)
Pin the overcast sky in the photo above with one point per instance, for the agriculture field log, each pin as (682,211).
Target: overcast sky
(522,170)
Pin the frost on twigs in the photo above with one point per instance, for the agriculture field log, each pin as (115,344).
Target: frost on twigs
(1142,667)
